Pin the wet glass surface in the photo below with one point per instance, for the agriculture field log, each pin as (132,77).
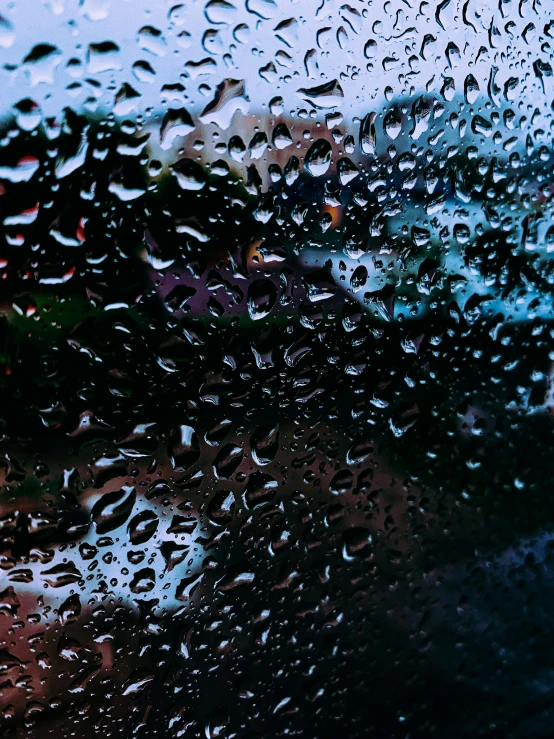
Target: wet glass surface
(276,347)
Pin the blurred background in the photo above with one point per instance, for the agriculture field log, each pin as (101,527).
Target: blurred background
(276,349)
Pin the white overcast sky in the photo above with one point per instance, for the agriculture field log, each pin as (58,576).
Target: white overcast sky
(337,32)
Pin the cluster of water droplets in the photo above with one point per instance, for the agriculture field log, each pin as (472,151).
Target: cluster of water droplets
(275,366)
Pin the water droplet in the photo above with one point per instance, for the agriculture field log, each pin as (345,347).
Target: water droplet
(318,158)
(327,95)
(262,295)
(113,509)
(230,97)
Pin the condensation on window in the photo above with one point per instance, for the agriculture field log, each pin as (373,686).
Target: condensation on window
(276,350)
